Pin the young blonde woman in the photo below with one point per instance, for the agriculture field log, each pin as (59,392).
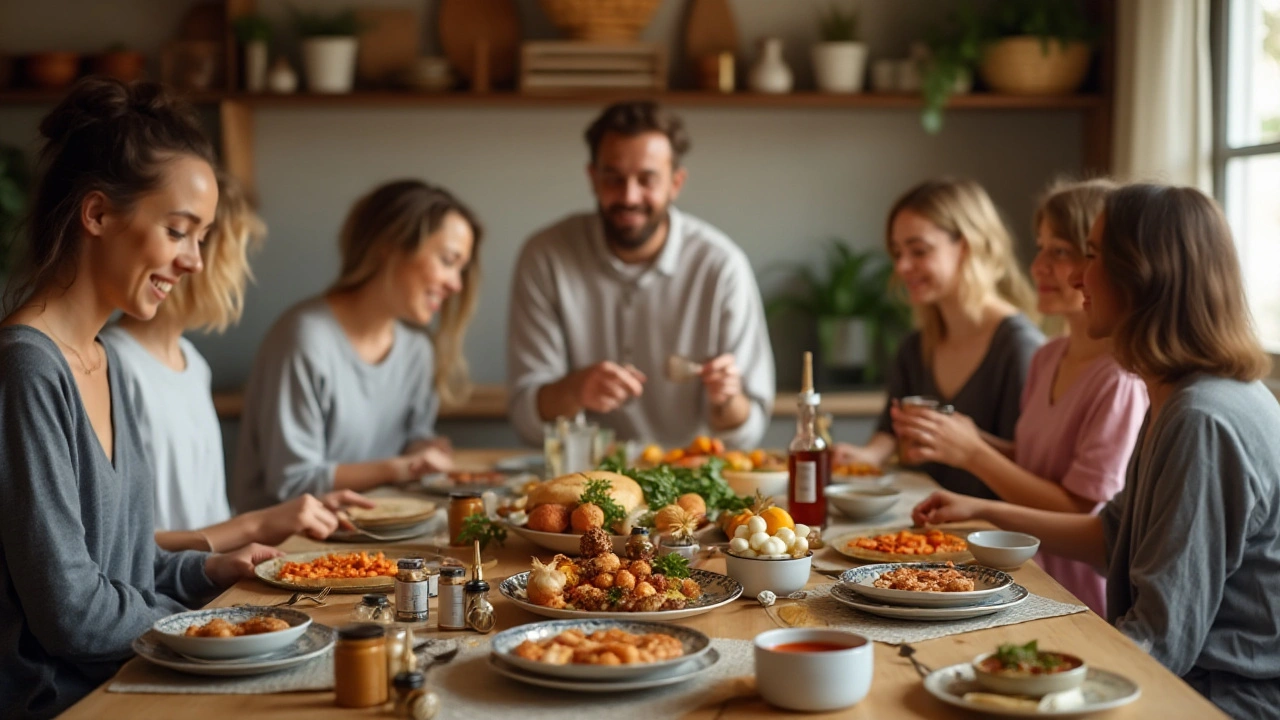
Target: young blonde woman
(169,384)
(345,389)
(954,256)
(126,194)
(1080,410)
(1191,546)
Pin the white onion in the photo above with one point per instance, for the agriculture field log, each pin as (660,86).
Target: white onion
(786,535)
(739,544)
(800,547)
(758,540)
(741,531)
(748,553)
(802,530)
(757,524)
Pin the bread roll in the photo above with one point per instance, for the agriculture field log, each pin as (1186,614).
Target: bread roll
(567,489)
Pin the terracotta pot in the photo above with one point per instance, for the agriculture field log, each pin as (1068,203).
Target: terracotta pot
(123,65)
(1025,65)
(52,70)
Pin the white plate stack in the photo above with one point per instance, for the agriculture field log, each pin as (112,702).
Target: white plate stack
(994,591)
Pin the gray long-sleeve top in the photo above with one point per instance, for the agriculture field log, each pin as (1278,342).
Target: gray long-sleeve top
(312,404)
(1193,543)
(575,304)
(80,573)
(992,395)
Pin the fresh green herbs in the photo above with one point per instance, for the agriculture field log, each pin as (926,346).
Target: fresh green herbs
(1027,657)
(597,493)
(673,566)
(614,596)
(663,484)
(479,527)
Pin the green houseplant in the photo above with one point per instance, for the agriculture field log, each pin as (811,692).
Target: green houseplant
(329,44)
(14,183)
(254,34)
(853,296)
(839,60)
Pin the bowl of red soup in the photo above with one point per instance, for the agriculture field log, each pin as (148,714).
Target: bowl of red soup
(1026,670)
(811,670)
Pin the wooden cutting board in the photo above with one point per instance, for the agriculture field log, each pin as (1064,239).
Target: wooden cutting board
(464,23)
(388,43)
(709,30)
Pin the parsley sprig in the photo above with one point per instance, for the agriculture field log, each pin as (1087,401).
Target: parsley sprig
(479,527)
(673,566)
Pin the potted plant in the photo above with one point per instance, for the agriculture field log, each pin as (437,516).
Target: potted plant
(858,315)
(121,63)
(839,61)
(953,55)
(254,34)
(329,46)
(1037,48)
(14,181)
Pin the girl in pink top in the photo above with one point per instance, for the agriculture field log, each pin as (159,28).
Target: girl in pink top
(1081,412)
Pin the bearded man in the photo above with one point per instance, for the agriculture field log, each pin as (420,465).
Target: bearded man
(599,301)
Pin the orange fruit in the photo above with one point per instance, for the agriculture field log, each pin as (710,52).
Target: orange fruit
(775,519)
(652,454)
(717,446)
(738,460)
(736,520)
(701,445)
(673,457)
(758,458)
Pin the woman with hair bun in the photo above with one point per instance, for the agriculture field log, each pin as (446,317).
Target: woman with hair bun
(126,193)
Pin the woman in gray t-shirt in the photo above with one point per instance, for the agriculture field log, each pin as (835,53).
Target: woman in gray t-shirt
(974,344)
(1191,546)
(345,387)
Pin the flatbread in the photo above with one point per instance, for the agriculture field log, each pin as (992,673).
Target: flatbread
(392,512)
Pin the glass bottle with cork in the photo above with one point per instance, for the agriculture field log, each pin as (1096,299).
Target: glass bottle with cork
(809,457)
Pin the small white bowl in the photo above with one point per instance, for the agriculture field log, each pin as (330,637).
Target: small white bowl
(170,632)
(1002,549)
(780,576)
(813,681)
(860,502)
(1030,685)
(770,483)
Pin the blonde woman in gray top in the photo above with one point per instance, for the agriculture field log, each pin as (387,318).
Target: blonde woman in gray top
(345,388)
(600,300)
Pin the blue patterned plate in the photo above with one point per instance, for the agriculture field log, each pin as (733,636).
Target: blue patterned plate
(1102,690)
(170,632)
(1009,597)
(987,582)
(316,641)
(504,643)
(717,590)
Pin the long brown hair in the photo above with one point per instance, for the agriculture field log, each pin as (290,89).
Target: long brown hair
(1168,252)
(394,219)
(964,210)
(1070,207)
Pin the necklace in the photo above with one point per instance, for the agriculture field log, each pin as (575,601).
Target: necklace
(84,367)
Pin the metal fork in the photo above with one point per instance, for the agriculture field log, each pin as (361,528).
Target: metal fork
(318,598)
(908,652)
(346,517)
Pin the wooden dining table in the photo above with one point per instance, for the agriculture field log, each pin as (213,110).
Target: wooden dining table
(896,689)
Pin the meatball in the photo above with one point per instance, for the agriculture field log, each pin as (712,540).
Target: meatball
(660,583)
(596,542)
(624,579)
(604,580)
(549,518)
(586,517)
(607,563)
(690,588)
(641,569)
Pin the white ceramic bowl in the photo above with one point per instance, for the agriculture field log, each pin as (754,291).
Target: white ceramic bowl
(1002,549)
(782,576)
(170,632)
(1030,685)
(770,483)
(861,502)
(813,681)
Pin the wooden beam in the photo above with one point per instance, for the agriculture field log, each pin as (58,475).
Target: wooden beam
(237,143)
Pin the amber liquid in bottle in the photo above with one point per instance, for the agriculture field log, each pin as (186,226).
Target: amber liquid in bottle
(809,458)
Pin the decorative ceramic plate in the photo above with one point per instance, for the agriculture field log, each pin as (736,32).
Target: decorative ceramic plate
(504,643)
(1003,600)
(987,583)
(392,512)
(269,573)
(1102,690)
(717,590)
(678,674)
(841,544)
(316,641)
(170,632)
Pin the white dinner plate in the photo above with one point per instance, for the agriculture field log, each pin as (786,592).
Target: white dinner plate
(316,641)
(987,582)
(681,673)
(406,532)
(1005,599)
(694,643)
(269,572)
(1102,690)
(717,591)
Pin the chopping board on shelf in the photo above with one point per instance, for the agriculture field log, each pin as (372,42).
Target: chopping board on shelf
(464,24)
(710,30)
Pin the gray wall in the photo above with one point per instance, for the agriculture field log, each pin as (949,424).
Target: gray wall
(779,181)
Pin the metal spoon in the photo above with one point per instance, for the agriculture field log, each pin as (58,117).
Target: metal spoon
(908,652)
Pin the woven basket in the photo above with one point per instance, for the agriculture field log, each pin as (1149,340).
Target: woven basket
(601,20)
(1020,66)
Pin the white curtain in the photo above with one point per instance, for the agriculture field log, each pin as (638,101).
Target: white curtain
(1164,93)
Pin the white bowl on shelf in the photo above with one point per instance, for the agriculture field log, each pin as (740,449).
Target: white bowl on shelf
(861,502)
(1002,549)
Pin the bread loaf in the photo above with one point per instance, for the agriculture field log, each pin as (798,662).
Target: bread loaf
(567,489)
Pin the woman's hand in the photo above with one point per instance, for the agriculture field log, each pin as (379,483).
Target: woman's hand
(304,515)
(944,506)
(422,461)
(937,437)
(339,499)
(226,569)
(846,454)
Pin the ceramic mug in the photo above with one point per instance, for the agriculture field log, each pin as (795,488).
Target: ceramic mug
(813,681)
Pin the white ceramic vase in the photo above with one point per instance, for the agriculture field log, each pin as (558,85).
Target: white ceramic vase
(255,66)
(839,67)
(282,79)
(330,63)
(770,73)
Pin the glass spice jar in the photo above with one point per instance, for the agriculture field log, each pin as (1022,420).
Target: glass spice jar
(360,666)
(639,546)
(409,687)
(461,506)
(413,591)
(374,608)
(479,610)
(451,613)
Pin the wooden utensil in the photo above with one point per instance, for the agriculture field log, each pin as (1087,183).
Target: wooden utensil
(710,30)
(464,24)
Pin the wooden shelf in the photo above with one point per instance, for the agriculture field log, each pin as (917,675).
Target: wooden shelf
(800,100)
